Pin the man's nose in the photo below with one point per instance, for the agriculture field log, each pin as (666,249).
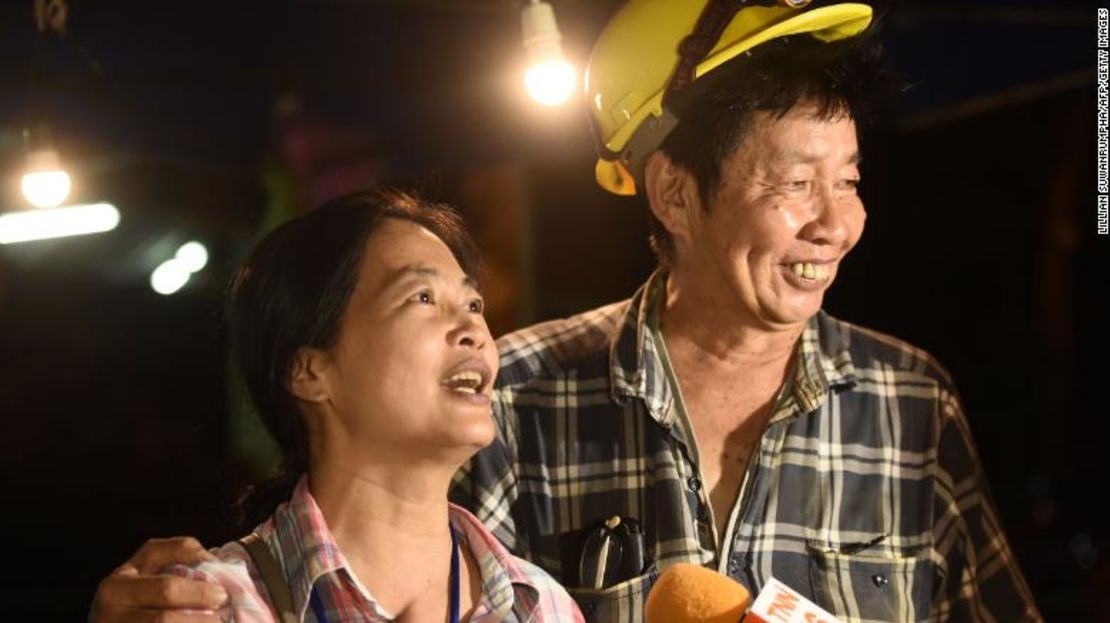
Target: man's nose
(829,219)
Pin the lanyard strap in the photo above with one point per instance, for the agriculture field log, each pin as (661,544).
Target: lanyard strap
(322,615)
(455,581)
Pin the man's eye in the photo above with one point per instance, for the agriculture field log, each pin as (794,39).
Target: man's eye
(850,183)
(476,306)
(424,297)
(797,184)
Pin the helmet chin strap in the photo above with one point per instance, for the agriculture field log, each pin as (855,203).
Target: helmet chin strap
(714,18)
(692,50)
(696,46)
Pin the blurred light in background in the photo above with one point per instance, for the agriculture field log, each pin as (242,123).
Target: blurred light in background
(28,225)
(193,256)
(169,277)
(45,184)
(550,79)
(174,273)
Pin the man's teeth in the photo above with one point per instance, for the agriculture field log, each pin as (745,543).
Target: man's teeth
(810,271)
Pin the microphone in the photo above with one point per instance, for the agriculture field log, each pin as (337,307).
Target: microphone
(687,593)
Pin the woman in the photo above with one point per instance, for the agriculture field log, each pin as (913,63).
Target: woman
(358,329)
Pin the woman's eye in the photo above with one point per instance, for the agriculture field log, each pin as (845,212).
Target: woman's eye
(424,297)
(797,184)
(476,306)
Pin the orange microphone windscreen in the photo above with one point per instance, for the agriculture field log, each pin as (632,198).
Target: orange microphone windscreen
(687,593)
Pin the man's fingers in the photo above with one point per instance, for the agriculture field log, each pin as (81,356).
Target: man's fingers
(124,592)
(157,553)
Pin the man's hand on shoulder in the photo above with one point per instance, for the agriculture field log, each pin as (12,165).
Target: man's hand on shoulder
(134,592)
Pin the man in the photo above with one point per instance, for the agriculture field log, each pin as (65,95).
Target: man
(719,416)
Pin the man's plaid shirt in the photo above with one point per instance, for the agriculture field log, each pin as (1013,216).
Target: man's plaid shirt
(865,494)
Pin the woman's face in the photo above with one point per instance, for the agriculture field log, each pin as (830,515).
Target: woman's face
(411,371)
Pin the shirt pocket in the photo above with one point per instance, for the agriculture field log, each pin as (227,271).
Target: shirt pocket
(619,603)
(871,587)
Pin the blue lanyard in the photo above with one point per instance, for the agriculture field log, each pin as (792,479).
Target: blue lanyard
(454,576)
(322,615)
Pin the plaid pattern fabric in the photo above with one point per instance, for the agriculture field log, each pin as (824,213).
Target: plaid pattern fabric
(513,590)
(865,493)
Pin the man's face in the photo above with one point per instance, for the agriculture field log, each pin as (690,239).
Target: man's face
(785,213)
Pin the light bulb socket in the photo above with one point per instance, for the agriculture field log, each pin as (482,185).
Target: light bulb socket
(541,37)
(44,159)
(38,138)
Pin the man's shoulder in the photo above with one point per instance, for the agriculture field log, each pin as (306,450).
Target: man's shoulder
(552,348)
(872,352)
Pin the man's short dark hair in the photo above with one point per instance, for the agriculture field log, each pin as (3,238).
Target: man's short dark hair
(842,77)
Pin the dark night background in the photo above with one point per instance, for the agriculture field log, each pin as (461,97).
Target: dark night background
(210,121)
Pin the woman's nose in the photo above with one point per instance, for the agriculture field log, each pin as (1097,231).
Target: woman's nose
(471,332)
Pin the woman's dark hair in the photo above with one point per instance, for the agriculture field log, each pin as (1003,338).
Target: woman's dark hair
(844,77)
(292,292)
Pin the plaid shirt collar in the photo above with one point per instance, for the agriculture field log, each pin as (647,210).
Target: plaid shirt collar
(310,554)
(636,368)
(503,580)
(308,550)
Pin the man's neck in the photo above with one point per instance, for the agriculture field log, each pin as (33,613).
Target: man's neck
(723,340)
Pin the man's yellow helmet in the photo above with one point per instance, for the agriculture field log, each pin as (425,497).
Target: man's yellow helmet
(638,55)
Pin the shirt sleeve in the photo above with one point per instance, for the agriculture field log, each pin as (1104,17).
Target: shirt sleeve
(487,484)
(245,604)
(981,578)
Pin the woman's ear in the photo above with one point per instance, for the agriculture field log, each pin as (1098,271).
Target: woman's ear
(307,378)
(672,194)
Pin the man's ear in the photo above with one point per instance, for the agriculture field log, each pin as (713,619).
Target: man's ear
(672,194)
(307,378)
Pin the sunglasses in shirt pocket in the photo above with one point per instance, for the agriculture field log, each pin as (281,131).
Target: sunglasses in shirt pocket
(862,582)
(604,554)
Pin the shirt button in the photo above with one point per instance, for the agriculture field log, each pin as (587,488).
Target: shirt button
(880,580)
(694,484)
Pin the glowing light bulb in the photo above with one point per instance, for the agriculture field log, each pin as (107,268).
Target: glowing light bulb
(550,79)
(45,184)
(551,83)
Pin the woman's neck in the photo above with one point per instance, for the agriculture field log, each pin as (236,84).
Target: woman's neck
(391,523)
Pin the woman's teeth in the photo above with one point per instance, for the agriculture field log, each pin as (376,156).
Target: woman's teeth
(810,271)
(464,382)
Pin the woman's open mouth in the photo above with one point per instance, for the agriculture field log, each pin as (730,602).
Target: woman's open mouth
(469,380)
(465,382)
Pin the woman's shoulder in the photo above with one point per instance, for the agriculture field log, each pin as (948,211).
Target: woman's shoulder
(235,572)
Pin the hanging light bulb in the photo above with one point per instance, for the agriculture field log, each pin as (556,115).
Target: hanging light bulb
(45,184)
(550,79)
